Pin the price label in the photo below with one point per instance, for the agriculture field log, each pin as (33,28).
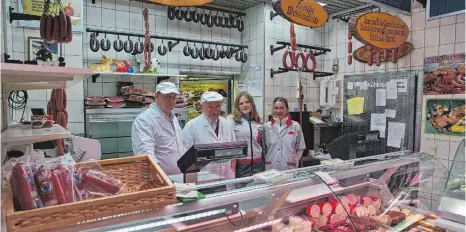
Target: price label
(327,178)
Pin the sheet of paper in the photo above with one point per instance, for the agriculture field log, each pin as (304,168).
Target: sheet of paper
(355,105)
(390,113)
(356,84)
(350,85)
(402,85)
(381,97)
(392,91)
(379,122)
(363,85)
(396,134)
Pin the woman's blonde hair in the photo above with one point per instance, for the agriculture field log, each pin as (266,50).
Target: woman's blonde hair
(237,115)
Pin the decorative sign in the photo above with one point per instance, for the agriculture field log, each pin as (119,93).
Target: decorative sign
(379,29)
(361,54)
(308,13)
(445,117)
(182,2)
(444,74)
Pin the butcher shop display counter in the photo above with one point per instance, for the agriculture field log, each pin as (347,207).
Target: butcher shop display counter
(380,193)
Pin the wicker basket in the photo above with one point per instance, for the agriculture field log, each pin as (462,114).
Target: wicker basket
(156,192)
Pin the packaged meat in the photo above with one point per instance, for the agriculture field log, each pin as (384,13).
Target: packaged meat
(115,99)
(43,178)
(98,183)
(397,216)
(326,208)
(313,211)
(94,98)
(116,104)
(65,172)
(135,98)
(95,102)
(295,221)
(383,219)
(24,186)
(352,199)
(78,187)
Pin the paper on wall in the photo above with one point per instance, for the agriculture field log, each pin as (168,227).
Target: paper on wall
(392,91)
(396,134)
(363,85)
(379,122)
(356,84)
(390,113)
(350,85)
(380,97)
(355,105)
(402,85)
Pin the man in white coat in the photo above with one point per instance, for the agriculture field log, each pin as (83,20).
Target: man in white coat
(208,128)
(156,131)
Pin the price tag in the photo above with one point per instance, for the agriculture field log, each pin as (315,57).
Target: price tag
(327,178)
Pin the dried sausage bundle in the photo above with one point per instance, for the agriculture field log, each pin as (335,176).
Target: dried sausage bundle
(55,23)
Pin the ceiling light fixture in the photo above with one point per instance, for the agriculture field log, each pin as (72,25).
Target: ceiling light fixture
(322,4)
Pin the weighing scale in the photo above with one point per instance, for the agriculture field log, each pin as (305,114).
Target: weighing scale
(199,155)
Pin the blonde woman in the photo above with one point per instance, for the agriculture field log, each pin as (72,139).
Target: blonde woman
(247,125)
(284,139)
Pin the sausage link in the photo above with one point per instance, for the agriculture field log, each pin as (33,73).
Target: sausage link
(69,30)
(377,59)
(56,29)
(63,25)
(350,47)
(58,185)
(350,36)
(102,181)
(43,26)
(385,54)
(350,59)
(395,55)
(49,28)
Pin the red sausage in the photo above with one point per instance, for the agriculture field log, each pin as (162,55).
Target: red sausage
(58,185)
(350,59)
(102,181)
(314,62)
(292,56)
(377,59)
(303,59)
(352,199)
(385,54)
(326,208)
(350,47)
(313,211)
(24,187)
(350,36)
(395,55)
(43,178)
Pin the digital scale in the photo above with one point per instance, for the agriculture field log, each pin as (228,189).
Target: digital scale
(199,155)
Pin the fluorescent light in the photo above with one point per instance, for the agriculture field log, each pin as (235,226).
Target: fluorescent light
(322,4)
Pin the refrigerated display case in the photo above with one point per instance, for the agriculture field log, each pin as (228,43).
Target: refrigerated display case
(389,184)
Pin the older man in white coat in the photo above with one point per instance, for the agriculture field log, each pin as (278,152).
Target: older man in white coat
(209,127)
(156,131)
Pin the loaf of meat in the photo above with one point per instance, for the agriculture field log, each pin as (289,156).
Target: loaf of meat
(397,216)
(24,186)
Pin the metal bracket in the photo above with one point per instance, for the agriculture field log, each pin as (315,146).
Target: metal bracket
(20,16)
(284,70)
(316,51)
(234,51)
(94,77)
(273,14)
(171,45)
(345,16)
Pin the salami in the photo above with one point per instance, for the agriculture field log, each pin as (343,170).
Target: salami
(313,211)
(56,29)
(337,208)
(366,201)
(361,211)
(332,218)
(352,199)
(100,180)
(69,30)
(377,202)
(43,178)
(67,180)
(59,187)
(24,187)
(43,26)
(49,29)
(325,208)
(63,25)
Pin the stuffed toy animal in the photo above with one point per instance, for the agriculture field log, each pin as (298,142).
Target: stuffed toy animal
(104,67)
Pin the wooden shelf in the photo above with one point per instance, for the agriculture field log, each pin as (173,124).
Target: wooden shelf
(30,77)
(24,134)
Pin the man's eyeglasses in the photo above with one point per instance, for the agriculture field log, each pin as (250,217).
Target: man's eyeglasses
(168,97)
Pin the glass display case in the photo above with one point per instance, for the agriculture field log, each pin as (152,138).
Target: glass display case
(379,193)
(452,205)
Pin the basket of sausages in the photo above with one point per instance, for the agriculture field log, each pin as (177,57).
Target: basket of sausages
(44,194)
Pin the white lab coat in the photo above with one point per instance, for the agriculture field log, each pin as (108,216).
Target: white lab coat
(153,134)
(283,145)
(199,131)
(243,133)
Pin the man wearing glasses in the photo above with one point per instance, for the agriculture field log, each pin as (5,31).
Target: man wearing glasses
(156,131)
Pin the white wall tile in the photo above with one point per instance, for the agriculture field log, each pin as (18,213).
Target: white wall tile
(447,34)
(460,32)
(447,20)
(431,51)
(447,49)
(443,149)
(418,21)
(417,57)
(453,148)
(459,47)
(433,23)
(417,38)
(432,36)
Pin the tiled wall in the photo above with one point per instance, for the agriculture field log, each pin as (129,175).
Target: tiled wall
(17,47)
(285,84)
(430,38)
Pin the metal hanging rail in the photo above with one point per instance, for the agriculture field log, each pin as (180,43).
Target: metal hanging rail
(164,37)
(346,15)
(284,70)
(20,16)
(316,51)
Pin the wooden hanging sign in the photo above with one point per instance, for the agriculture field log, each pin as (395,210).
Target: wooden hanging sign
(182,2)
(379,29)
(307,13)
(362,54)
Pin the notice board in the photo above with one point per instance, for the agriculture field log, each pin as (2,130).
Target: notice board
(399,113)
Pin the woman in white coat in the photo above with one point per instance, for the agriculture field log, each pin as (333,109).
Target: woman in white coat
(209,127)
(247,125)
(284,139)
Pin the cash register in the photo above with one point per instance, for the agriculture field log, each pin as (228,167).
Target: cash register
(199,155)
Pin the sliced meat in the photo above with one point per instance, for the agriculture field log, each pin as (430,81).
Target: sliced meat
(372,210)
(366,201)
(94,98)
(96,103)
(116,104)
(115,99)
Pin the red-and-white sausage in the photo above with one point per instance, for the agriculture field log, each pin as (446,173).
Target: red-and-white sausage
(366,201)
(352,199)
(325,208)
(313,211)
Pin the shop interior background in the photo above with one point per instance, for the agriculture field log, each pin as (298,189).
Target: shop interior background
(434,37)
